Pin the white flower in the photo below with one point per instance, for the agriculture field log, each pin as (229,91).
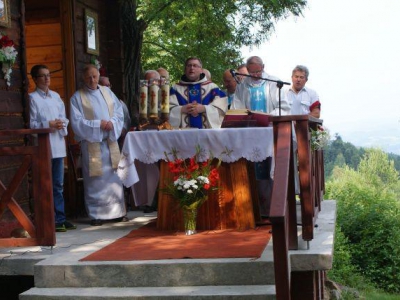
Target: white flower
(319,139)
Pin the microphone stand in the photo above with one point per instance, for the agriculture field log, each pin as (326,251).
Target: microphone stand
(279,84)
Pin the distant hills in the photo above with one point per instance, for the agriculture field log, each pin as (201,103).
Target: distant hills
(382,136)
(339,152)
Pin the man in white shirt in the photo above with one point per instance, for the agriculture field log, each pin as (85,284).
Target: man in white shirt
(47,110)
(302,99)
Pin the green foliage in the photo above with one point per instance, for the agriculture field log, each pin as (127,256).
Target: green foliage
(169,31)
(344,271)
(369,218)
(339,153)
(164,33)
(384,172)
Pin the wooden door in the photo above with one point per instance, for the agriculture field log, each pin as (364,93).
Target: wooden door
(50,41)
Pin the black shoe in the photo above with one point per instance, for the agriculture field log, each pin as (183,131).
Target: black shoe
(60,228)
(96,222)
(69,226)
(122,219)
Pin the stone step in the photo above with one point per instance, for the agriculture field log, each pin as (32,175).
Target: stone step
(238,292)
(163,273)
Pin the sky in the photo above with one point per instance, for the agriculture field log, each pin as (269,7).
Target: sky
(352,50)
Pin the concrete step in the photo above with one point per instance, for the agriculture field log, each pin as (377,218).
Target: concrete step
(162,273)
(255,292)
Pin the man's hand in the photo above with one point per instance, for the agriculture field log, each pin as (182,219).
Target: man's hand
(193,109)
(57,124)
(106,125)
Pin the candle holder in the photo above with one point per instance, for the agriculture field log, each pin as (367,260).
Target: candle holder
(154,87)
(143,102)
(150,93)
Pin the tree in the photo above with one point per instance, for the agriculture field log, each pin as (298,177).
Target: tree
(215,28)
(369,216)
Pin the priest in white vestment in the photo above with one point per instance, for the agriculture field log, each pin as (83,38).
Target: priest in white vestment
(97,120)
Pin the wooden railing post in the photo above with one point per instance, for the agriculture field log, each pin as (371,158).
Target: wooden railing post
(38,159)
(282,212)
(283,202)
(44,199)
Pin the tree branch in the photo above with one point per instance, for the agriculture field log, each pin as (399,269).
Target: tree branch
(163,48)
(163,7)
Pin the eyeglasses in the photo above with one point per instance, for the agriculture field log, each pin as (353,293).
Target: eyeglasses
(43,75)
(256,72)
(193,66)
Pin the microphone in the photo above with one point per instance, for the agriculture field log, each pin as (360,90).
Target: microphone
(233,73)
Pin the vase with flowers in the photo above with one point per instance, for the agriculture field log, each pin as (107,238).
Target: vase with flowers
(192,181)
(8,54)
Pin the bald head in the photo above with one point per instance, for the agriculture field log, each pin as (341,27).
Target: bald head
(229,81)
(91,76)
(150,75)
(163,73)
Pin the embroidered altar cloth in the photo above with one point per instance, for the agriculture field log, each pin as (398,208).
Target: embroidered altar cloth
(230,144)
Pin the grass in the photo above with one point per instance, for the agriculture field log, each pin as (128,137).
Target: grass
(381,296)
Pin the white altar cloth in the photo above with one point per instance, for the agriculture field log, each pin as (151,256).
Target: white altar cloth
(230,144)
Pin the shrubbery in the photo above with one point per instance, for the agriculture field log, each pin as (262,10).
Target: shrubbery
(368,221)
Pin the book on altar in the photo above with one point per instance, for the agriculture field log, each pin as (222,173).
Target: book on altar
(245,118)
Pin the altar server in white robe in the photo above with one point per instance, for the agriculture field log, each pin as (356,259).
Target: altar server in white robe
(97,120)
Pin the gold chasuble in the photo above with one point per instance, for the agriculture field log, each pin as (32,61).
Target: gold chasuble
(95,164)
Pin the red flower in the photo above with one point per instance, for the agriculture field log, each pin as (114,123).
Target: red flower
(175,167)
(213,177)
(6,42)
(206,186)
(193,166)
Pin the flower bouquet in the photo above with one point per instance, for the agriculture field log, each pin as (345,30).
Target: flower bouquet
(319,138)
(192,180)
(8,54)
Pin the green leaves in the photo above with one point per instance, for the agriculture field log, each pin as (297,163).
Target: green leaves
(369,217)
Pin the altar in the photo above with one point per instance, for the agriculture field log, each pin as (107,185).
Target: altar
(235,203)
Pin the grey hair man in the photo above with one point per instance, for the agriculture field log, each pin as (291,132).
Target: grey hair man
(302,99)
(257,93)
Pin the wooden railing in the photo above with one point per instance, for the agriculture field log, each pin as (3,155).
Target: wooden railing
(37,160)
(283,200)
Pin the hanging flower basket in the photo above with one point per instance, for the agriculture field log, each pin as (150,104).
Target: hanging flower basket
(8,54)
(319,138)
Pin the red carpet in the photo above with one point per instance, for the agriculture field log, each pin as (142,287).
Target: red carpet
(148,243)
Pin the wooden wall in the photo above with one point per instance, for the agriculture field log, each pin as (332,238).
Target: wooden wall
(51,32)
(12,108)
(110,40)
(44,47)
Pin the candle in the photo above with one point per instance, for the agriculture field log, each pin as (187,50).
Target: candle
(153,97)
(165,96)
(143,98)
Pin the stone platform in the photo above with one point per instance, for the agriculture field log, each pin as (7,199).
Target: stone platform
(59,274)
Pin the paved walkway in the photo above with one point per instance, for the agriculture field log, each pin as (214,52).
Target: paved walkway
(71,244)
